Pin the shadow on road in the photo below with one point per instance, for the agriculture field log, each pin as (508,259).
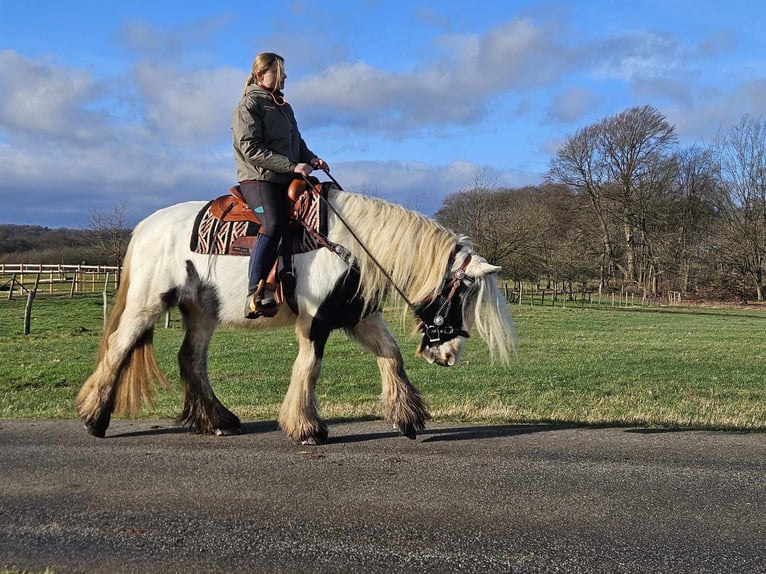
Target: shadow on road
(455,433)
(443,434)
(247,428)
(489,431)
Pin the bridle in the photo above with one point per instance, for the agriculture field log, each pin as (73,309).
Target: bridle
(436,316)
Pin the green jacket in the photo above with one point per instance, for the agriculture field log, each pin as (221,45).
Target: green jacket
(267,143)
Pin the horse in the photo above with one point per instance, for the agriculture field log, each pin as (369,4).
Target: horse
(392,253)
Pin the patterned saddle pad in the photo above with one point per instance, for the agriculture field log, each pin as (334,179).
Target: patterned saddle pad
(214,236)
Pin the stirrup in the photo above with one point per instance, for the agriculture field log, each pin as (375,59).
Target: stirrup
(256,306)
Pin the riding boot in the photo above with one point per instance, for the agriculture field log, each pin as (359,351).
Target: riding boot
(261,303)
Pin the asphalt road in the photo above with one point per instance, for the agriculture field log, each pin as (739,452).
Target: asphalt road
(153,498)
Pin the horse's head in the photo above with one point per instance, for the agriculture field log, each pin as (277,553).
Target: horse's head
(468,291)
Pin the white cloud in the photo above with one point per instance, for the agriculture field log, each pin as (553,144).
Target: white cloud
(421,186)
(638,55)
(571,105)
(704,118)
(159,133)
(188,108)
(41,99)
(456,87)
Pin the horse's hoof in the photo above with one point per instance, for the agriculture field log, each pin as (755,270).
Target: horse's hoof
(317,438)
(95,431)
(407,430)
(227,432)
(313,441)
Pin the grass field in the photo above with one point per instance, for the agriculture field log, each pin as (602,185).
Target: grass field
(677,367)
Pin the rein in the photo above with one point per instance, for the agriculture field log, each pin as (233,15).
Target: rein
(359,241)
(437,330)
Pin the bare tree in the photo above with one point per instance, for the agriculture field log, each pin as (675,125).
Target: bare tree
(741,161)
(573,238)
(506,225)
(611,162)
(478,214)
(621,200)
(691,223)
(634,144)
(580,165)
(109,233)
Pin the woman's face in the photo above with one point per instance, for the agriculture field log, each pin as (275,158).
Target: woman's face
(270,78)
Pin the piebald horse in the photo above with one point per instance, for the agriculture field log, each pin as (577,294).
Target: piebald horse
(451,288)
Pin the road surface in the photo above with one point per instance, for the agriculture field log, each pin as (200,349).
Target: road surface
(153,498)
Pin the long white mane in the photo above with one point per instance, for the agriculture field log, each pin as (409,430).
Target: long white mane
(412,248)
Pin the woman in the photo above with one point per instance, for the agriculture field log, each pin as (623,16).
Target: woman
(268,152)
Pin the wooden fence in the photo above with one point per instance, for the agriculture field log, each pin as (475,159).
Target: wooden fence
(18,278)
(525,294)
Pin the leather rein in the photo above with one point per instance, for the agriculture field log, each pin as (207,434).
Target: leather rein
(439,328)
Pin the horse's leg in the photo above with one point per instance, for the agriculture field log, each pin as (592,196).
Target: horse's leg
(98,395)
(402,403)
(299,416)
(126,365)
(202,411)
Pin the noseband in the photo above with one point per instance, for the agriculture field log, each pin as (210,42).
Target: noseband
(437,315)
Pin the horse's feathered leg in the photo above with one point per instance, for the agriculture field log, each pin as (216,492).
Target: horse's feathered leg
(202,411)
(402,403)
(299,416)
(126,366)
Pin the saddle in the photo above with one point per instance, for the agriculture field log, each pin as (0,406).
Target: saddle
(228,226)
(233,207)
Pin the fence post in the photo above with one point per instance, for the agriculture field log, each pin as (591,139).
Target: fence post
(103,295)
(28,308)
(13,284)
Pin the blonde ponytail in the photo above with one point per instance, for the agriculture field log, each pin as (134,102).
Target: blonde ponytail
(250,81)
(261,64)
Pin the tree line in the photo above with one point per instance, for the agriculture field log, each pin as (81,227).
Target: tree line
(104,242)
(624,206)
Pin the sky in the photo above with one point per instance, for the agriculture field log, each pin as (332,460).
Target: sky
(112,105)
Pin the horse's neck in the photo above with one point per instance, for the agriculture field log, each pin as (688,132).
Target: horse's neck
(412,248)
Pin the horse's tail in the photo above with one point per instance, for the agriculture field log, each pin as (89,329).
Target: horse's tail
(126,366)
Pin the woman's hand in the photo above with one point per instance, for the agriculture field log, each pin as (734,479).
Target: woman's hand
(319,163)
(303,168)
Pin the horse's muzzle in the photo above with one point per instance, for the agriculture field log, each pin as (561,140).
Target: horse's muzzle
(445,354)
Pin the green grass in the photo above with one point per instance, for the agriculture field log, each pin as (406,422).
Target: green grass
(678,367)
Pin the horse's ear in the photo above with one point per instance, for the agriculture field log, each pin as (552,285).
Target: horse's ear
(487,268)
(482,267)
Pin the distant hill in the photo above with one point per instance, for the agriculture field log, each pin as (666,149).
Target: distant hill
(37,244)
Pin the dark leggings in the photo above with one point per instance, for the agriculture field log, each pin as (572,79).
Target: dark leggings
(269,202)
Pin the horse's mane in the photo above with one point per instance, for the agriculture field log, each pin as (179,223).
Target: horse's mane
(415,251)
(401,240)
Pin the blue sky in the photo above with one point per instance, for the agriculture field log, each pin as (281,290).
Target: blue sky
(107,103)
